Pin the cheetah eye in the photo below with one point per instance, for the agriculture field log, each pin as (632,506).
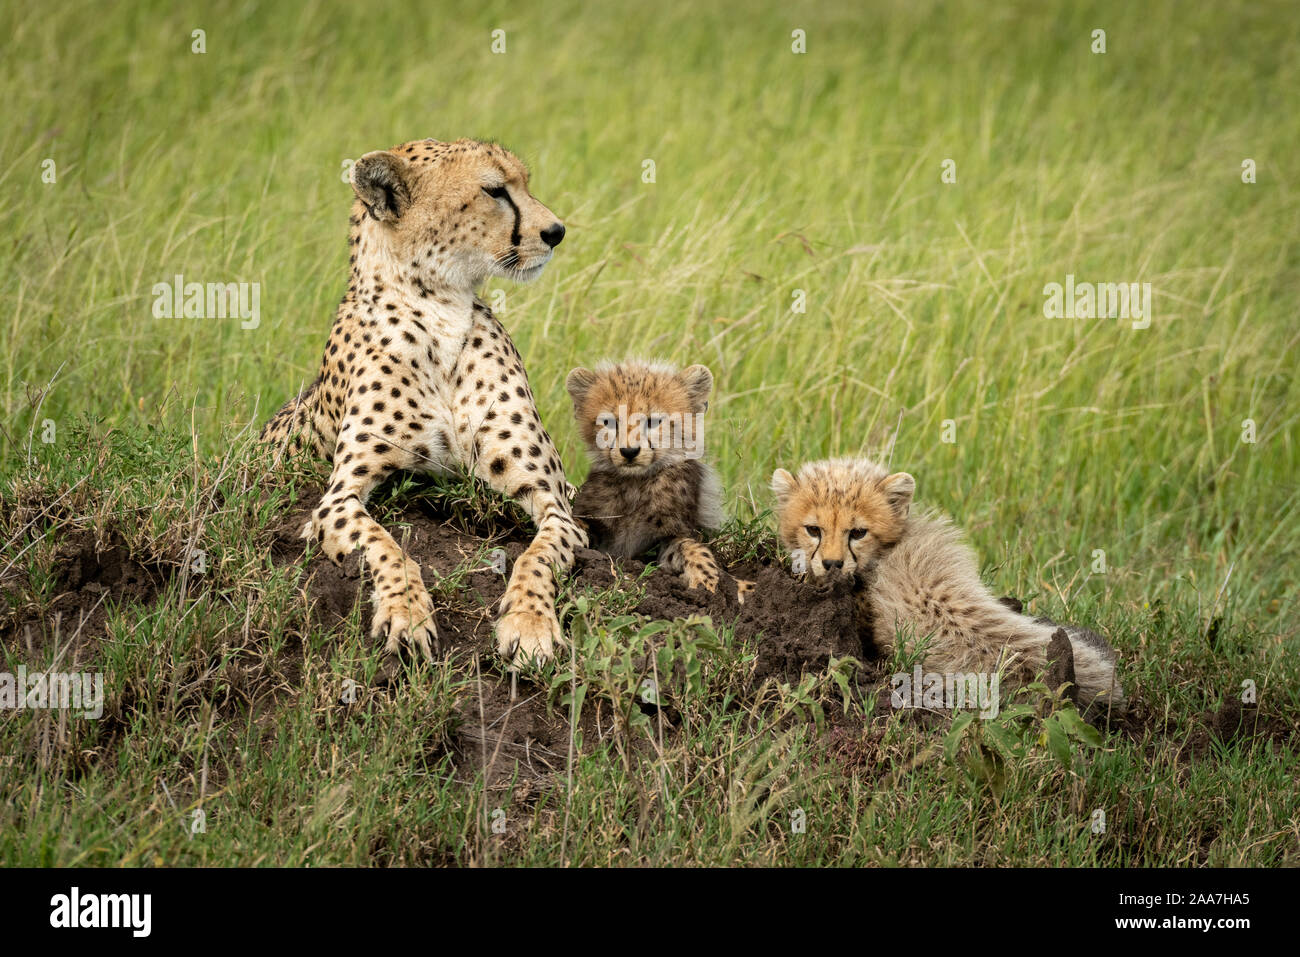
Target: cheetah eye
(605,421)
(655,421)
(857,534)
(496,192)
(813,530)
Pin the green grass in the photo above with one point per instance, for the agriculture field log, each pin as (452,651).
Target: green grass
(775,172)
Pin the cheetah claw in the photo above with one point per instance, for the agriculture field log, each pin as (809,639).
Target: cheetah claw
(408,618)
(525,637)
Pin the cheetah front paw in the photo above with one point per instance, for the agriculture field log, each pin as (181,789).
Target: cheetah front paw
(525,637)
(743,588)
(405,616)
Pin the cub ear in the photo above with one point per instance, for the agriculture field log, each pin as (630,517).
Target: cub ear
(898,489)
(579,383)
(699,383)
(783,486)
(380,180)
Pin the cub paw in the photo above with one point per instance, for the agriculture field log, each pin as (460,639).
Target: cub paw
(701,576)
(528,637)
(405,616)
(743,588)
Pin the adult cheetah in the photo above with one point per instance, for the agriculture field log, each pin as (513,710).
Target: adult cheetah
(419,375)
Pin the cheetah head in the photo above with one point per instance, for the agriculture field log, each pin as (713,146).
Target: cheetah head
(637,417)
(841,513)
(452,214)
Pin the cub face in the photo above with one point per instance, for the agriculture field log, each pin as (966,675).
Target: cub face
(455,213)
(841,513)
(638,417)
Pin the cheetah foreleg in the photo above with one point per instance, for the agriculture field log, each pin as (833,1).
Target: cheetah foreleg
(403,608)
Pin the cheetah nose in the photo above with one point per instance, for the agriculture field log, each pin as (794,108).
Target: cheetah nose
(552,234)
(828,564)
(630,454)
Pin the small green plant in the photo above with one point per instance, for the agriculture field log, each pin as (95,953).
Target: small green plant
(981,750)
(744,540)
(634,663)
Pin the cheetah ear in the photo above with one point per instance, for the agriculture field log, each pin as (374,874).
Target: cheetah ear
(898,489)
(380,180)
(579,383)
(783,486)
(699,383)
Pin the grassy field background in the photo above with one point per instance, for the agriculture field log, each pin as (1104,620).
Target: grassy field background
(774,172)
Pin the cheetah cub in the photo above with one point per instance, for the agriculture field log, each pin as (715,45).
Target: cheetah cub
(643,424)
(919,578)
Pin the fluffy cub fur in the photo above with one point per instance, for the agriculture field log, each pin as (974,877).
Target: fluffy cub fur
(649,486)
(921,580)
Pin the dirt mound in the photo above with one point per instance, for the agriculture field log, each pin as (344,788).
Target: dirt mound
(90,574)
(510,726)
(801,625)
(1232,722)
